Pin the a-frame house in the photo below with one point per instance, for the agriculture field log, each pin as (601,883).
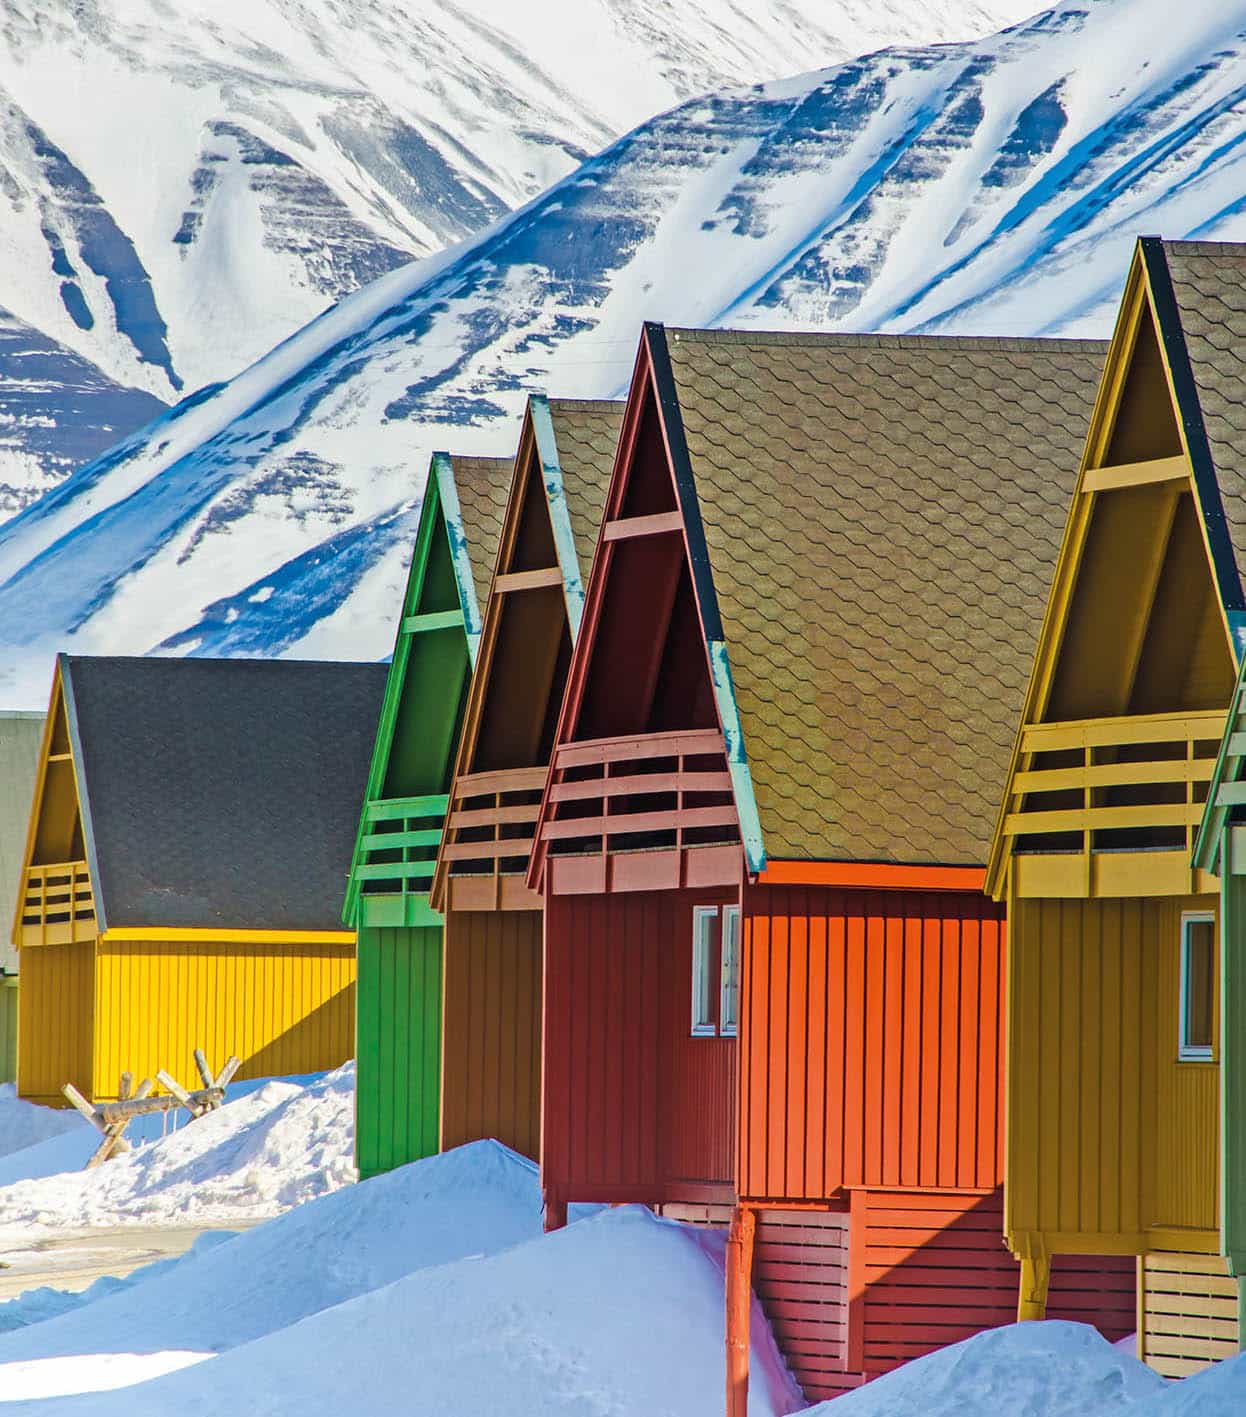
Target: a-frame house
(773,986)
(1114,1072)
(491,980)
(190,826)
(398,1019)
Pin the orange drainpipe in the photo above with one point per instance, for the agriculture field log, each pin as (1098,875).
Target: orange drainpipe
(739,1300)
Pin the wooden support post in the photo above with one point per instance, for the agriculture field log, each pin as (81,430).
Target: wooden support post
(739,1302)
(555,1217)
(226,1074)
(202,1064)
(1032,1299)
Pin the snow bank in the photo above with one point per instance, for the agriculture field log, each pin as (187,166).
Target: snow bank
(616,1316)
(1218,1391)
(23,1125)
(268,1150)
(1052,1369)
(476,1200)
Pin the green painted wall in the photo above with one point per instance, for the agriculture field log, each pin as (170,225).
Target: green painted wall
(8,1028)
(398,1046)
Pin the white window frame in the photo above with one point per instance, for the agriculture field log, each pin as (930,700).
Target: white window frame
(1193,1052)
(702,969)
(728,1030)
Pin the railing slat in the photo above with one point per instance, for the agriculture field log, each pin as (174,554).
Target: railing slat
(628,822)
(636,783)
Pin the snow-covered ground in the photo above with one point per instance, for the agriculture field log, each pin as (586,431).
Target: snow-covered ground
(432,1289)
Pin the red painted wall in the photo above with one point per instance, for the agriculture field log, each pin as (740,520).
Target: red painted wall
(872,1041)
(633,1108)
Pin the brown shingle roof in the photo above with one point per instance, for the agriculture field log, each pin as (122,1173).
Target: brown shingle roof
(483,485)
(882,515)
(1209,286)
(587,433)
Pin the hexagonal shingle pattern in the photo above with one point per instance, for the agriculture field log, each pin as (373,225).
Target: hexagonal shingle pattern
(1209,282)
(587,433)
(883,516)
(483,486)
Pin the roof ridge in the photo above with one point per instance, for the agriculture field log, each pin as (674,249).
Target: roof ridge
(836,339)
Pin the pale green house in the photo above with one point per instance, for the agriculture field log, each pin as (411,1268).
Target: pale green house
(20,736)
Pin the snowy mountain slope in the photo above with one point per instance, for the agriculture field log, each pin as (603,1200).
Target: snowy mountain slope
(183,186)
(993,187)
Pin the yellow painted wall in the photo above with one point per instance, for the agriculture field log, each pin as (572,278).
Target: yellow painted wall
(281,1008)
(55,1005)
(1110,1139)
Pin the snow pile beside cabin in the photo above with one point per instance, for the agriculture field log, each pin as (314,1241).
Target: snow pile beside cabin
(272,1148)
(23,1125)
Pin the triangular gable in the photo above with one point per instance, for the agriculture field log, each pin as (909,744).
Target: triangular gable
(651,659)
(56,900)
(435,648)
(1140,617)
(531,619)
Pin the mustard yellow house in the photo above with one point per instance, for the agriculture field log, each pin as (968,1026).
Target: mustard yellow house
(1113,1107)
(189,839)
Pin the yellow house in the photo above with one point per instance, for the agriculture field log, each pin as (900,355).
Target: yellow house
(1113,1073)
(188,844)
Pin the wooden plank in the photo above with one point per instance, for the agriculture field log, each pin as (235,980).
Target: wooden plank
(1117,732)
(623,528)
(481,784)
(395,870)
(1231,794)
(393,841)
(701,742)
(487,850)
(493,816)
(527,580)
(1135,474)
(432,620)
(1115,774)
(633,783)
(394,808)
(639,822)
(1104,818)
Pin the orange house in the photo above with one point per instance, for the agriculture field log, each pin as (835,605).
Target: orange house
(773,986)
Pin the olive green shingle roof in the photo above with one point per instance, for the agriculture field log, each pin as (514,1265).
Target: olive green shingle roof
(483,485)
(587,433)
(882,515)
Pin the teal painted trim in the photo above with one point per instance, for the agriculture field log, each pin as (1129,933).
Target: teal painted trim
(1209,843)
(737,756)
(397,910)
(433,620)
(98,883)
(452,513)
(1233,1059)
(559,517)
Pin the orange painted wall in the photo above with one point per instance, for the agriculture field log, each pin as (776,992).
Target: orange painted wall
(872,1041)
(491,1030)
(633,1108)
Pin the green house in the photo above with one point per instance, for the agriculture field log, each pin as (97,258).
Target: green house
(398,1020)
(1221,849)
(20,737)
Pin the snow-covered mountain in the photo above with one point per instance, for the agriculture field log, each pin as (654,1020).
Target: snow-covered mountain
(182,185)
(991,187)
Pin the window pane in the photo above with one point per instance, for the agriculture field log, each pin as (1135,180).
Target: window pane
(1198,948)
(729,1003)
(704,930)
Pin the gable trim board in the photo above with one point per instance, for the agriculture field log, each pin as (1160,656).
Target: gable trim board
(182,778)
(399,950)
(492,936)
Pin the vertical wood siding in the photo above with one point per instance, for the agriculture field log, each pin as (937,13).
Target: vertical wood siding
(632,1106)
(1108,1133)
(872,1028)
(491,1046)
(55,1005)
(1189,1308)
(398,1046)
(8,1029)
(281,1009)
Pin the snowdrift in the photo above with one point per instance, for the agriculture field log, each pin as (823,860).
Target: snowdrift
(271,1147)
(23,1125)
(620,1314)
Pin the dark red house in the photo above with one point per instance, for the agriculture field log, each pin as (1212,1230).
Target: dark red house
(772,983)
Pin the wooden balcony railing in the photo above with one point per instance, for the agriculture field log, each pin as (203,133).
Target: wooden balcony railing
(58,905)
(1115,785)
(658,793)
(400,846)
(489,834)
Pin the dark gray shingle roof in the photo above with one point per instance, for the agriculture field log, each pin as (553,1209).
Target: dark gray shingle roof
(221,792)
